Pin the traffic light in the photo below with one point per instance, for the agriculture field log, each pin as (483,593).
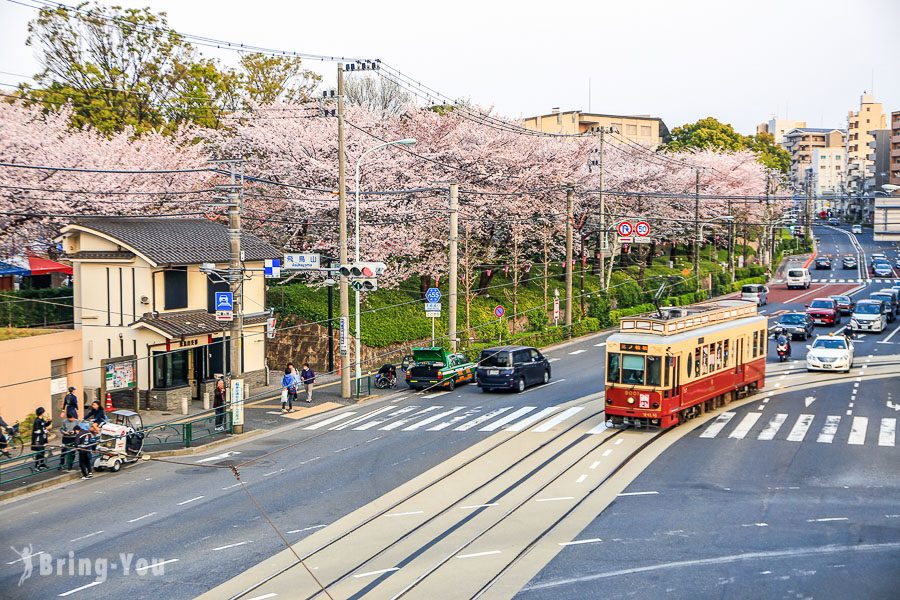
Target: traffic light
(363,275)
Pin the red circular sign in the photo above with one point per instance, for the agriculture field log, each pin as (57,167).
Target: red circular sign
(624,228)
(499,311)
(642,228)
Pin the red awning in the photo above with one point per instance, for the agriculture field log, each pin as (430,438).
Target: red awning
(45,266)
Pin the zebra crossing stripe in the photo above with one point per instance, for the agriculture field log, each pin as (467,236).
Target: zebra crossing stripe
(396,413)
(482,419)
(744,426)
(798,432)
(362,418)
(529,420)
(717,425)
(858,431)
(508,418)
(887,432)
(826,436)
(331,420)
(558,418)
(455,420)
(433,418)
(772,428)
(404,421)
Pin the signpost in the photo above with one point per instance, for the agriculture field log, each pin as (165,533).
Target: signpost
(499,311)
(556,307)
(433,295)
(270,328)
(624,229)
(237,405)
(272,268)
(433,307)
(342,336)
(642,228)
(298,261)
(224,306)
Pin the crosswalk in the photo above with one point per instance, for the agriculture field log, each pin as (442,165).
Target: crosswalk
(394,417)
(824,430)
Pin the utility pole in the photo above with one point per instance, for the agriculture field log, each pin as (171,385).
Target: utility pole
(603,282)
(806,206)
(452,271)
(570,218)
(235,285)
(731,242)
(344,295)
(697,227)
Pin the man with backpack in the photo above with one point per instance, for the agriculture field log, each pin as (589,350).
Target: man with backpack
(288,390)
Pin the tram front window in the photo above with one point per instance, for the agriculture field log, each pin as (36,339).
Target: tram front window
(612,367)
(654,368)
(633,369)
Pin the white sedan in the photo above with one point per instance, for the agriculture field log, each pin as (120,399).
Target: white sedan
(830,353)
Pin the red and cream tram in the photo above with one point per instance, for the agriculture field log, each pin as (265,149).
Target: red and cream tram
(665,368)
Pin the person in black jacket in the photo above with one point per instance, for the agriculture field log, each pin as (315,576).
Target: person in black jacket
(39,439)
(70,403)
(86,443)
(96,414)
(219,404)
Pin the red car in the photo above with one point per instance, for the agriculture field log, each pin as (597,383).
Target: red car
(823,311)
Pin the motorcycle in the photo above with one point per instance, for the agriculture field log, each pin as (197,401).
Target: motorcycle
(783,348)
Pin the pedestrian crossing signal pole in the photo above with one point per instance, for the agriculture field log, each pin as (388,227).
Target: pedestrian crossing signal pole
(570,217)
(344,293)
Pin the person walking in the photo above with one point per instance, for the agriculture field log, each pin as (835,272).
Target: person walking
(39,439)
(70,403)
(69,439)
(86,443)
(97,414)
(3,445)
(219,404)
(308,379)
(288,390)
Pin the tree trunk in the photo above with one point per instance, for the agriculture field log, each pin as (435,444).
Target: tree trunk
(424,284)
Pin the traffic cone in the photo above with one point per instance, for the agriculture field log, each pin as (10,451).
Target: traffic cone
(109,405)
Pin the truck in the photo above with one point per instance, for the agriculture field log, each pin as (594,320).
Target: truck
(436,367)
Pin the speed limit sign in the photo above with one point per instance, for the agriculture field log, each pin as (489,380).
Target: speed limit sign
(624,228)
(642,228)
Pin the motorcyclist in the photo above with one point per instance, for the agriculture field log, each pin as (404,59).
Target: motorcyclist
(784,340)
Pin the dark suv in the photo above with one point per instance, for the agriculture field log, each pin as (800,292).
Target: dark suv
(512,368)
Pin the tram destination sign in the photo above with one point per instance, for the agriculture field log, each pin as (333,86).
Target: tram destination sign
(633,347)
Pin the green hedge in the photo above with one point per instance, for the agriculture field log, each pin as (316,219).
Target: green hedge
(17,311)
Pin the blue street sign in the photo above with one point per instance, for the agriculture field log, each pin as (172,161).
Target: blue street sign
(272,268)
(224,301)
(433,295)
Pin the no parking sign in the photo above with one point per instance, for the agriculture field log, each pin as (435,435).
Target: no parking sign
(499,311)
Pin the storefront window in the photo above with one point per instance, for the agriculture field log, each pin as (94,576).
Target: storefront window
(632,369)
(170,369)
(612,367)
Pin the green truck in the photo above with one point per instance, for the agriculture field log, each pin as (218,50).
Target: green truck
(436,367)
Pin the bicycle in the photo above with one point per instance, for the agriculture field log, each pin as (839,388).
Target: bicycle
(14,443)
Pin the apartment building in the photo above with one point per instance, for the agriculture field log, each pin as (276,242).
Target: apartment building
(827,175)
(802,141)
(779,127)
(861,126)
(886,209)
(644,129)
(894,166)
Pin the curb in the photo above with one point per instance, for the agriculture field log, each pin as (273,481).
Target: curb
(811,256)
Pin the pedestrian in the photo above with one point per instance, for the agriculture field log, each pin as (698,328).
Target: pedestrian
(69,439)
(219,404)
(86,442)
(3,445)
(97,414)
(70,402)
(293,369)
(39,439)
(308,379)
(288,390)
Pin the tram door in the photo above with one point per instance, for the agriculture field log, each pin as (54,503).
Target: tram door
(739,367)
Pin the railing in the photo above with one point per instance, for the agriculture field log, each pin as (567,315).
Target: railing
(364,383)
(21,467)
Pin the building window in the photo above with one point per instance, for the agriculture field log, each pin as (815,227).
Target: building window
(170,369)
(631,129)
(646,131)
(218,352)
(617,127)
(176,289)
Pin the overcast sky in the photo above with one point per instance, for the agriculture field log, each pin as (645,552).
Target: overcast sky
(741,61)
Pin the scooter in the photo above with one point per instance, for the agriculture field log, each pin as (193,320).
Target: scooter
(783,348)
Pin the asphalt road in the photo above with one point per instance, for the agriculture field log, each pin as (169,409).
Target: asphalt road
(792,497)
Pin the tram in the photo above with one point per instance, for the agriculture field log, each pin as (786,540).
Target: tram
(665,368)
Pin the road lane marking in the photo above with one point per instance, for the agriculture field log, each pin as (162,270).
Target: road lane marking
(26,557)
(378,572)
(578,351)
(581,478)
(826,436)
(887,432)
(396,413)
(552,359)
(600,345)
(331,420)
(544,385)
(435,394)
(274,472)
(143,517)
(222,456)
(653,493)
(361,418)
(78,589)
(476,554)
(528,421)
(433,418)
(264,596)
(454,420)
(406,420)
(594,464)
(618,441)
(801,426)
(244,543)
(858,431)
(478,505)
(84,537)
(554,499)
(307,529)
(483,418)
(559,418)
(717,425)
(508,418)
(827,519)
(600,428)
(405,514)
(191,500)
(577,542)
(745,425)
(772,428)
(339,450)
(754,524)
(607,452)
(156,565)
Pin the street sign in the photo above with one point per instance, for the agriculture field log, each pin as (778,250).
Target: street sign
(624,229)
(436,314)
(642,228)
(556,310)
(224,315)
(298,261)
(342,338)
(270,327)
(272,268)
(224,301)
(237,401)
(432,307)
(499,311)
(640,240)
(433,295)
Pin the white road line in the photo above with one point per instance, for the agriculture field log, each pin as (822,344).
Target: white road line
(78,589)
(552,359)
(476,554)
(887,432)
(361,418)
(826,436)
(141,517)
(435,394)
(453,421)
(858,431)
(578,351)
(772,428)
(274,472)
(406,420)
(717,425)
(482,419)
(331,420)
(307,529)
(558,419)
(478,506)
(377,422)
(191,500)
(745,425)
(339,450)
(827,519)
(594,464)
(264,596)
(600,428)
(653,493)
(798,432)
(754,524)
(156,565)
(616,443)
(576,542)
(531,419)
(600,345)
(378,572)
(508,418)
(893,333)
(244,543)
(554,499)
(405,514)
(538,388)
(581,478)
(25,557)
(84,537)
(433,418)
(607,452)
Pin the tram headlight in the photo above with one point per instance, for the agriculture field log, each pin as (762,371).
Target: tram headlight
(630,400)
(656,405)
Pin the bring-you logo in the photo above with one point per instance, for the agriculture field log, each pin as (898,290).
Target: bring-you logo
(44,564)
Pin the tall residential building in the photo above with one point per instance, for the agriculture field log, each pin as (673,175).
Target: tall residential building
(802,141)
(827,172)
(886,218)
(779,127)
(644,129)
(895,151)
(860,128)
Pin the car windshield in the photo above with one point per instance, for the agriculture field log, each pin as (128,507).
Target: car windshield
(883,297)
(867,309)
(841,299)
(795,273)
(822,304)
(831,344)
(793,319)
(493,358)
(822,260)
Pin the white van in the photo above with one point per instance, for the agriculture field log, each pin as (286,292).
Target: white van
(798,277)
(856,229)
(755,292)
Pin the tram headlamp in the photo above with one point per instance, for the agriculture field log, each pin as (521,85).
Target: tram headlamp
(656,405)
(630,400)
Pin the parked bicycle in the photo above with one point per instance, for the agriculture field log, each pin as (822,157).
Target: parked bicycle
(14,443)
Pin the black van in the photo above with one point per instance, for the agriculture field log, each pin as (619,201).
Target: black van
(512,368)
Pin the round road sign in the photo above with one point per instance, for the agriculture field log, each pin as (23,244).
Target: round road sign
(642,228)
(499,311)
(624,228)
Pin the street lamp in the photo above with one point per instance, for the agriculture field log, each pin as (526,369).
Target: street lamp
(402,142)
